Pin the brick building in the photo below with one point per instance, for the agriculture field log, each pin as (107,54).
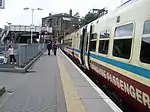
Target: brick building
(62,24)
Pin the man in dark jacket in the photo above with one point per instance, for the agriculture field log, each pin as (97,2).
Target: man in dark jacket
(49,47)
(55,48)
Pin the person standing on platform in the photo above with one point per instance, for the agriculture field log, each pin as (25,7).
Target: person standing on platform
(49,47)
(55,48)
(11,54)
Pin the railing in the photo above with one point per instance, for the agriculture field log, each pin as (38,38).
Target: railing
(5,33)
(28,51)
(1,34)
(24,53)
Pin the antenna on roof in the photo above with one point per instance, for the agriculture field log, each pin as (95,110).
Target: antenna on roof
(125,1)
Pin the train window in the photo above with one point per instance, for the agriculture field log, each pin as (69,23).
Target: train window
(87,43)
(104,34)
(104,42)
(74,42)
(93,46)
(103,46)
(122,48)
(145,51)
(146,27)
(94,36)
(125,30)
(70,43)
(80,41)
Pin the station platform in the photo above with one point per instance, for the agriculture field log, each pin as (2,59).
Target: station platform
(53,84)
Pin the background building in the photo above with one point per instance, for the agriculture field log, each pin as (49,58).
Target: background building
(62,24)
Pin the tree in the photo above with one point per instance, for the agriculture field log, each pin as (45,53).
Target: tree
(88,18)
(91,16)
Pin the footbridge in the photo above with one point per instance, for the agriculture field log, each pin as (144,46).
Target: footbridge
(21,33)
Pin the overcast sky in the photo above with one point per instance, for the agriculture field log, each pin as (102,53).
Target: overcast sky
(15,14)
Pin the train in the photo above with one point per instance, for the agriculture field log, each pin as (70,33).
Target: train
(116,47)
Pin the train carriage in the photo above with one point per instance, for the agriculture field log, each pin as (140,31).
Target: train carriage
(116,47)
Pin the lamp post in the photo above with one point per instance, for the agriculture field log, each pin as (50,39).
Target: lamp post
(9,24)
(32,10)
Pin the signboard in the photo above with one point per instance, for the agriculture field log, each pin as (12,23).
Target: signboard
(2,4)
(47,29)
(66,19)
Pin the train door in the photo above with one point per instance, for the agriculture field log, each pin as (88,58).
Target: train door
(83,45)
(88,49)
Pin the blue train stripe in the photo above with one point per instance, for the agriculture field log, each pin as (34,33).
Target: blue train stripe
(132,68)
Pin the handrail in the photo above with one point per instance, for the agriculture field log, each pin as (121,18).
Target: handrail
(5,34)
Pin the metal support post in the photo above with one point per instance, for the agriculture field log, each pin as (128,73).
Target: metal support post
(32,27)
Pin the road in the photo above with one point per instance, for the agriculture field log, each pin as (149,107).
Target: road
(40,90)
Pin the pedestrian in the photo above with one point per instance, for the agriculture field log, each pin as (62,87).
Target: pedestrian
(49,47)
(11,54)
(55,48)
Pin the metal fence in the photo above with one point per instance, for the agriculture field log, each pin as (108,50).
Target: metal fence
(24,53)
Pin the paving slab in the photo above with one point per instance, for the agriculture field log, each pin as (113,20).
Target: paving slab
(39,90)
(96,105)
(92,100)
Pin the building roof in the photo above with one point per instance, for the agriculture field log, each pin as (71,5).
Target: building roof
(60,15)
(46,17)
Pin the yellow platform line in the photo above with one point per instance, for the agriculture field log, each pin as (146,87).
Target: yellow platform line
(73,101)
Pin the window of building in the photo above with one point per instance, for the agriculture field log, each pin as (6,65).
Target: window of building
(122,46)
(104,42)
(145,44)
(50,23)
(93,46)
(125,30)
(57,21)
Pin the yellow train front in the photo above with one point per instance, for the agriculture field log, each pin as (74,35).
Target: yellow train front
(117,48)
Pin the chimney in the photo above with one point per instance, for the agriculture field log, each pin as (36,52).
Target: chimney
(50,14)
(70,12)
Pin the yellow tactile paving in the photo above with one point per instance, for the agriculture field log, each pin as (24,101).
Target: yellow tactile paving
(73,101)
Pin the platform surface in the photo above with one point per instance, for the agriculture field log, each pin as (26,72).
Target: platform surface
(90,99)
(53,84)
(39,90)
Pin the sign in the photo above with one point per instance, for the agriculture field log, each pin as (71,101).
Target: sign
(66,19)
(49,29)
(2,4)
(46,29)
